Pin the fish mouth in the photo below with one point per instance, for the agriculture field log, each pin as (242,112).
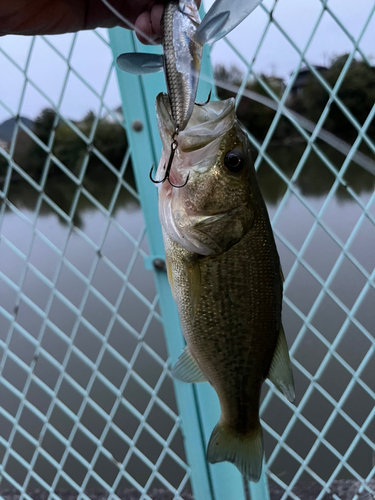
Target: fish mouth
(207,123)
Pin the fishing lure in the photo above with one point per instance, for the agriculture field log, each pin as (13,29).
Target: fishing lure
(183,37)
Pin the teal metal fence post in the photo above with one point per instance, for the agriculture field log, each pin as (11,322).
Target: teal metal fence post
(198,405)
(137,101)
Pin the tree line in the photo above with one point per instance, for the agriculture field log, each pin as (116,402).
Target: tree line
(109,141)
(356,92)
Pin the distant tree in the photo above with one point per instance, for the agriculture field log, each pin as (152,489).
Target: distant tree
(24,150)
(357,93)
(109,139)
(224,75)
(43,126)
(3,165)
(69,148)
(256,117)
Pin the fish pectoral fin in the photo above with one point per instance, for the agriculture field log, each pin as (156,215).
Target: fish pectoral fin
(140,63)
(186,369)
(280,372)
(222,18)
(170,276)
(219,232)
(282,275)
(245,451)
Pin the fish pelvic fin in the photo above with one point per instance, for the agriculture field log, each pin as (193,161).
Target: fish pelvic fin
(245,451)
(280,372)
(186,369)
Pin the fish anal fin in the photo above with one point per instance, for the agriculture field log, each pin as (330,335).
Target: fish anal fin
(280,372)
(245,451)
(186,369)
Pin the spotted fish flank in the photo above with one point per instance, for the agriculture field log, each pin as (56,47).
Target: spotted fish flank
(225,275)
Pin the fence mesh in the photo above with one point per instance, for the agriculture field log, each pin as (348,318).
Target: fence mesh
(87,401)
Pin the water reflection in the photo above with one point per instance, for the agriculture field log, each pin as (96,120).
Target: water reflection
(100,183)
(315,178)
(95,334)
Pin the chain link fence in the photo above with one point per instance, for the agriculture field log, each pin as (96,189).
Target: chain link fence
(87,405)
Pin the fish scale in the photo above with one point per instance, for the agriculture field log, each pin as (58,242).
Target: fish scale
(240,299)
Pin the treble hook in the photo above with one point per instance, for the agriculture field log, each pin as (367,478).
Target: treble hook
(204,103)
(174,147)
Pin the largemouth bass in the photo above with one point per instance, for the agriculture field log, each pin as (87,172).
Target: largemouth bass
(225,275)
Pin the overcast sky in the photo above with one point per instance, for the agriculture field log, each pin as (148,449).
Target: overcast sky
(92,58)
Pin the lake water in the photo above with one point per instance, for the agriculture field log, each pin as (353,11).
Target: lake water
(131,330)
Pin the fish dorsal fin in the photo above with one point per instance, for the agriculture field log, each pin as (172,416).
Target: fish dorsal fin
(140,63)
(186,369)
(280,372)
(222,18)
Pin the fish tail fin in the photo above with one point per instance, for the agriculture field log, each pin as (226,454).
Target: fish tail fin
(245,451)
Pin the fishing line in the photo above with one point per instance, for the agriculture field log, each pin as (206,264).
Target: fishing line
(359,158)
(140,32)
(128,23)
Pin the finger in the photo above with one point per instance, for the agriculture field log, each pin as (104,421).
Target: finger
(143,27)
(149,24)
(156,15)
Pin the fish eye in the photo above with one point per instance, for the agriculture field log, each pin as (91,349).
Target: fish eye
(234,160)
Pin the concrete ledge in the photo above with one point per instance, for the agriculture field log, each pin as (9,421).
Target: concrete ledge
(345,489)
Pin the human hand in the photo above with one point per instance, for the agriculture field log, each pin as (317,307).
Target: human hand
(44,17)
(148,22)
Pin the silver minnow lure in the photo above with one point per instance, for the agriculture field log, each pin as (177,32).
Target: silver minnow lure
(182,58)
(183,39)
